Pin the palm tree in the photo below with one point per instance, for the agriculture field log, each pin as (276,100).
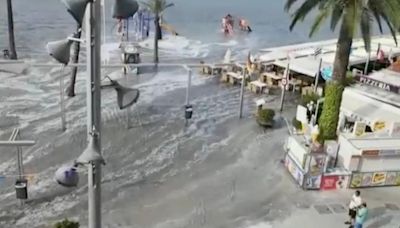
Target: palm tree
(157,7)
(11,38)
(352,15)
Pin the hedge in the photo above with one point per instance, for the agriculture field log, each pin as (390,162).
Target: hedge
(67,224)
(330,111)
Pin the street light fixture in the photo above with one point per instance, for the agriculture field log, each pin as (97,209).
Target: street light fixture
(92,152)
(76,8)
(126,97)
(60,50)
(124,8)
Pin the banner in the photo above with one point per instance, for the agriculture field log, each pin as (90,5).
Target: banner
(371,179)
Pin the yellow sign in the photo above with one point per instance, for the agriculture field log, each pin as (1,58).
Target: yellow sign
(379,125)
(379,178)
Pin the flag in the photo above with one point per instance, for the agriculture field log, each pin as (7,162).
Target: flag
(317,52)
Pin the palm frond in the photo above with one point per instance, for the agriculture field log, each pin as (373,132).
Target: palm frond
(289,4)
(337,13)
(319,21)
(365,27)
(303,10)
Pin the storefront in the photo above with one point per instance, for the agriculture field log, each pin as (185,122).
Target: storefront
(373,161)
(305,163)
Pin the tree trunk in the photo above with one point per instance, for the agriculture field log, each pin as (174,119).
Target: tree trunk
(334,89)
(156,36)
(11,38)
(75,59)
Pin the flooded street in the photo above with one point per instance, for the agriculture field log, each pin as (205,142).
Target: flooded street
(159,172)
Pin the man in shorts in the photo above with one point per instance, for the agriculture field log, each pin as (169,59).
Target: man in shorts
(355,203)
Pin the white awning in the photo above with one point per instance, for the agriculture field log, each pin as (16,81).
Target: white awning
(367,109)
(306,65)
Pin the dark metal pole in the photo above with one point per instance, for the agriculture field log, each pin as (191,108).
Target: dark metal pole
(284,86)
(75,59)
(11,37)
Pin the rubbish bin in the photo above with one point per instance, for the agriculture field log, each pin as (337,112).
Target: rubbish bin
(188,112)
(21,189)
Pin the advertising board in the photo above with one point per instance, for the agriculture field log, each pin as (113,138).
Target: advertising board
(294,170)
(334,182)
(372,179)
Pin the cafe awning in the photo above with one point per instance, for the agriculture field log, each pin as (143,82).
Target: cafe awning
(307,65)
(357,104)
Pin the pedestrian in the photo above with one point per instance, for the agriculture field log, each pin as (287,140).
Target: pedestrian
(362,214)
(355,203)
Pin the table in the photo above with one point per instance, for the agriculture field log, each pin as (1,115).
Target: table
(213,70)
(233,77)
(271,78)
(257,86)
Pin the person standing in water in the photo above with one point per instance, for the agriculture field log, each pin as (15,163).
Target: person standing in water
(244,26)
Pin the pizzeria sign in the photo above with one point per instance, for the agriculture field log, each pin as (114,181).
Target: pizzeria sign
(376,83)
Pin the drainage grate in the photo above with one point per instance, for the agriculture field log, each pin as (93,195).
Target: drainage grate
(322,209)
(338,208)
(392,207)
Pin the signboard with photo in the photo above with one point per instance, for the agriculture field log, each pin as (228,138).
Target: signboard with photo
(356,180)
(366,180)
(391,178)
(359,128)
(379,178)
(375,179)
(294,170)
(334,182)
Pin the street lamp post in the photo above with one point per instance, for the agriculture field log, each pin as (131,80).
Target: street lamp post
(91,156)
(93,102)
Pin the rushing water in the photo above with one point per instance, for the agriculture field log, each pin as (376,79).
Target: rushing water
(159,173)
(40,21)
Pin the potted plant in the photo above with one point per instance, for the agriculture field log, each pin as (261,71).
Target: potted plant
(66,224)
(265,117)
(297,126)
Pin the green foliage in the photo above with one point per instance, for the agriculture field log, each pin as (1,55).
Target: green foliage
(296,124)
(330,111)
(265,117)
(350,80)
(307,98)
(67,224)
(358,15)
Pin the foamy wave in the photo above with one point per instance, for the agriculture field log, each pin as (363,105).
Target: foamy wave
(178,46)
